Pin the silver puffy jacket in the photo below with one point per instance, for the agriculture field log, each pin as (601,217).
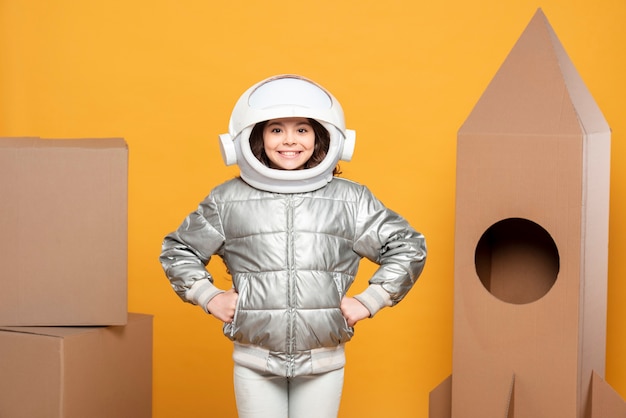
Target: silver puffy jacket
(292,258)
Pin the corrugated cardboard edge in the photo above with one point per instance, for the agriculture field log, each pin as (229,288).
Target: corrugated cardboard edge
(510,407)
(69,331)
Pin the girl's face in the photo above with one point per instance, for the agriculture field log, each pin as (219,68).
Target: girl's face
(288,142)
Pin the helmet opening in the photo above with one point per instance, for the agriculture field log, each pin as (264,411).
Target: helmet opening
(320,150)
(327,163)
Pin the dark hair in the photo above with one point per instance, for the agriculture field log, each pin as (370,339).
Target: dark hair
(322,143)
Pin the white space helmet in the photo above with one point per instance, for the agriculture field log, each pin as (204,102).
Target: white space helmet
(280,97)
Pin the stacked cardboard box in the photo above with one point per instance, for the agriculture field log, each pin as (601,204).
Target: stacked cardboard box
(68,347)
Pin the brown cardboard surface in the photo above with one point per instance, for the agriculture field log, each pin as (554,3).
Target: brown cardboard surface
(606,403)
(64,223)
(440,400)
(63,372)
(530,311)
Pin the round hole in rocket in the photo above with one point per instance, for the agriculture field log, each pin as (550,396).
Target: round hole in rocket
(517,261)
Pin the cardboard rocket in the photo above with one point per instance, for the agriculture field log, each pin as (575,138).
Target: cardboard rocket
(531,245)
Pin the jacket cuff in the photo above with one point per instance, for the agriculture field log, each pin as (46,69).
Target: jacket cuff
(201,292)
(374,298)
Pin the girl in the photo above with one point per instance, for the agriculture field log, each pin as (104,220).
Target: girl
(291,234)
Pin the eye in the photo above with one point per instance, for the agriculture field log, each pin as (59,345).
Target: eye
(276,130)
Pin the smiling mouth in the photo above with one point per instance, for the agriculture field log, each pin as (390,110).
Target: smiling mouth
(289,153)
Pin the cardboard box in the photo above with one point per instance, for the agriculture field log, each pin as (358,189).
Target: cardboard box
(64,246)
(77,372)
(531,244)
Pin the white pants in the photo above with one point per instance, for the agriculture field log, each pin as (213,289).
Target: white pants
(262,395)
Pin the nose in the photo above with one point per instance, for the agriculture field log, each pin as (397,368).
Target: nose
(290,137)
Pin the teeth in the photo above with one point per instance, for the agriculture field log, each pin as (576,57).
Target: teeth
(289,153)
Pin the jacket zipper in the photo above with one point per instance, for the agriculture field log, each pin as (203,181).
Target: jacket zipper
(290,288)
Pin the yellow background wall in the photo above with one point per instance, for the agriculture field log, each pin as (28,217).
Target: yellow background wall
(164,75)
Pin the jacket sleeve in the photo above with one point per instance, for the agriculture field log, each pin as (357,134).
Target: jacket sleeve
(186,252)
(387,239)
